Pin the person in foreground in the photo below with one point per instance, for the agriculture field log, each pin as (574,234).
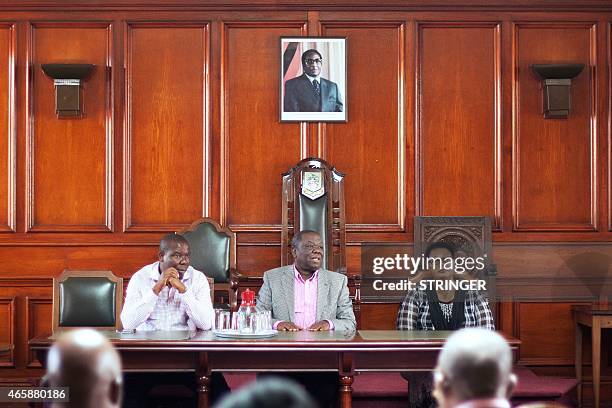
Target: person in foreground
(272,392)
(168,295)
(474,370)
(305,296)
(84,361)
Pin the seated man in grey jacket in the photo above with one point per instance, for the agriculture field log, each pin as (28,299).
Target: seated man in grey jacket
(304,296)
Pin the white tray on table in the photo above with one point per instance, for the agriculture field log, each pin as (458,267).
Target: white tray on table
(234,334)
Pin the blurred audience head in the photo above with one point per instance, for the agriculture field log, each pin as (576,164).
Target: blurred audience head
(270,392)
(475,364)
(84,361)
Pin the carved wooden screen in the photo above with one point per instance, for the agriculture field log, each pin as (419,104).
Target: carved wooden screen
(471,236)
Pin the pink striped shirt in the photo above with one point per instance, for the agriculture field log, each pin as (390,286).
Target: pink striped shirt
(305,300)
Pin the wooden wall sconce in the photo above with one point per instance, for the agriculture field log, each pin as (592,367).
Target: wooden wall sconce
(556,81)
(67,79)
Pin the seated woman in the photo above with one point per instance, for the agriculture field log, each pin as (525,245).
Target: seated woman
(439,310)
(443,309)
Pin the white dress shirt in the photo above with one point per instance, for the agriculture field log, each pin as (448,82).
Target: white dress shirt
(170,310)
(311,79)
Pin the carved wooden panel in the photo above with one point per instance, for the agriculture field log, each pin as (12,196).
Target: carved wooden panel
(554,168)
(256,148)
(166,142)
(371,148)
(38,315)
(472,235)
(459,133)
(69,161)
(7,330)
(7,126)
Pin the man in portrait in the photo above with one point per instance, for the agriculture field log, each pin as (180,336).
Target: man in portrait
(310,92)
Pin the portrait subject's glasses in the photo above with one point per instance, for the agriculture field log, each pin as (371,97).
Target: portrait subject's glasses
(313,61)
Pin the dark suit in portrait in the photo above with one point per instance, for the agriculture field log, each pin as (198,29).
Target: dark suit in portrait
(300,96)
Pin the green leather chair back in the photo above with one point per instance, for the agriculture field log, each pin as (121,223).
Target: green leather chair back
(87,301)
(313,216)
(210,251)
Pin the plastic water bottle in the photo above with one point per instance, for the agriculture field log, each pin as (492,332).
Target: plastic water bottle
(246,313)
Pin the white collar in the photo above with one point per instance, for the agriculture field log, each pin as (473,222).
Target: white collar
(310,78)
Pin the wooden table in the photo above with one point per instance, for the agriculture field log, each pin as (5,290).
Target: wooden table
(345,353)
(596,318)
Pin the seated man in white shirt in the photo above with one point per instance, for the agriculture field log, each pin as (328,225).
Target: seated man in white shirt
(168,295)
(474,371)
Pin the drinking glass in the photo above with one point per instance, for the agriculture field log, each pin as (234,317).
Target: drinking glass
(234,322)
(217,322)
(225,322)
(263,321)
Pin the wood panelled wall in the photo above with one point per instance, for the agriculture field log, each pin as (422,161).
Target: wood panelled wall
(181,121)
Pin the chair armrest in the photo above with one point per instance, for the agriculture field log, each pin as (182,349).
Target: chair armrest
(235,278)
(354,282)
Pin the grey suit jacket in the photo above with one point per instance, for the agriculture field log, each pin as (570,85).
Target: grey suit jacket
(300,97)
(333,302)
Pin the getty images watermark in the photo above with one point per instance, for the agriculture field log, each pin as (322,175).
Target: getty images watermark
(388,272)
(442,269)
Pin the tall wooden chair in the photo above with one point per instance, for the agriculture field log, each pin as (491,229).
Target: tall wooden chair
(313,199)
(87,299)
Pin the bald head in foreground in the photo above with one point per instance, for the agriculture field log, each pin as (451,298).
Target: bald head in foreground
(86,362)
(474,370)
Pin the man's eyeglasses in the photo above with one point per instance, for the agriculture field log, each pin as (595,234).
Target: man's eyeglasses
(312,247)
(179,257)
(313,61)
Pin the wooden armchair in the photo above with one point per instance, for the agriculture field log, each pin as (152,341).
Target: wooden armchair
(313,199)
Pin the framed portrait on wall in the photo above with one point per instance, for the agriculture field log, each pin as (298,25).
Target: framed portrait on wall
(313,79)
